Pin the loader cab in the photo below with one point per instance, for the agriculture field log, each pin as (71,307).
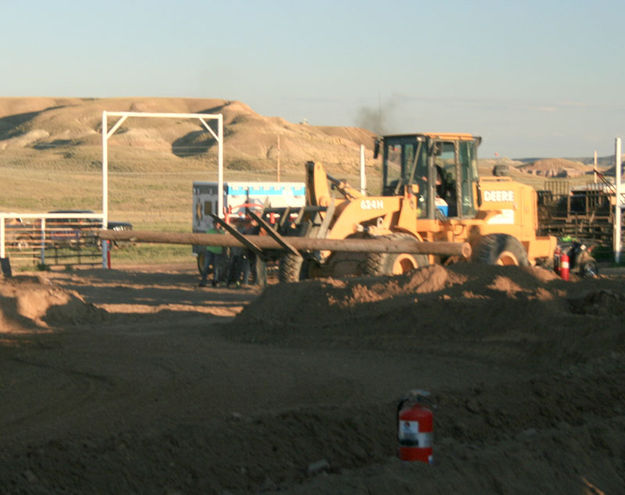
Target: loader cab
(441,169)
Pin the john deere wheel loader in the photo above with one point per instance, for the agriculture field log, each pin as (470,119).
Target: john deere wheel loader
(430,192)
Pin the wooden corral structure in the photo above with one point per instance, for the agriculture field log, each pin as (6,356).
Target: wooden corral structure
(584,212)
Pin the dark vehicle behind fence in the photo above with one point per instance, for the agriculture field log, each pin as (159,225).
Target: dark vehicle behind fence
(74,231)
(57,237)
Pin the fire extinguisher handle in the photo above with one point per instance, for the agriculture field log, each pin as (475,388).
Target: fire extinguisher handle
(417,394)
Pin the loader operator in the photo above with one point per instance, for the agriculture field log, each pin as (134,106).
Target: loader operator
(446,189)
(443,187)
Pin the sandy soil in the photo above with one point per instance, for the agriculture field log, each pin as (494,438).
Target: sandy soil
(138,381)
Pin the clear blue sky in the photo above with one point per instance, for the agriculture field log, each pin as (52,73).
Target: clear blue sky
(533,78)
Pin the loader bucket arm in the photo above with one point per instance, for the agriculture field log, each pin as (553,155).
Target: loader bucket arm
(317,184)
(347,191)
(317,190)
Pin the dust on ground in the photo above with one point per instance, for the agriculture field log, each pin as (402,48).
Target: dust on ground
(138,381)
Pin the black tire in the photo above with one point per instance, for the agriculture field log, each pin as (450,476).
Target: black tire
(501,249)
(378,264)
(200,261)
(290,269)
(589,269)
(260,272)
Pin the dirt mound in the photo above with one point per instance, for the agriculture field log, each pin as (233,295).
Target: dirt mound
(556,167)
(504,313)
(525,372)
(599,303)
(31,303)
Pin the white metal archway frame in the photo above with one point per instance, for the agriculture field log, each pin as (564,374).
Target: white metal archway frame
(202,117)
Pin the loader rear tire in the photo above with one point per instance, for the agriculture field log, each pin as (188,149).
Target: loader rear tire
(501,249)
(394,263)
(290,269)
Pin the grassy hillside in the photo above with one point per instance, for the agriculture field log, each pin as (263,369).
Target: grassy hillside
(50,155)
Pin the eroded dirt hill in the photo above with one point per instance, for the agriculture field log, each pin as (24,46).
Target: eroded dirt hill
(251,141)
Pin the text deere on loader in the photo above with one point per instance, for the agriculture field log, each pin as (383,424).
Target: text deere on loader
(430,192)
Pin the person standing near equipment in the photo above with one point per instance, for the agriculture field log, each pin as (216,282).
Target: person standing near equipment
(213,257)
(242,260)
(239,264)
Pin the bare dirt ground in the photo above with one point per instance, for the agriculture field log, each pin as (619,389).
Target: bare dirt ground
(137,381)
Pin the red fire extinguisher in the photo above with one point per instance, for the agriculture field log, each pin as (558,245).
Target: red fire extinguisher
(415,424)
(564,266)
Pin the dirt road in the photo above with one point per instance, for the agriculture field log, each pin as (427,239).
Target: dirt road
(138,381)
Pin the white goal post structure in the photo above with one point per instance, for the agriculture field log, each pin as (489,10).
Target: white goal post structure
(202,117)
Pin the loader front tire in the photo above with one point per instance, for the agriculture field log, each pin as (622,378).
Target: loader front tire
(290,269)
(501,249)
(394,263)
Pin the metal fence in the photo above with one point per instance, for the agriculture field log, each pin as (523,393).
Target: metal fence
(50,238)
(585,211)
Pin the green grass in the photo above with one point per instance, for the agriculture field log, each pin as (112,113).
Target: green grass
(151,253)
(152,190)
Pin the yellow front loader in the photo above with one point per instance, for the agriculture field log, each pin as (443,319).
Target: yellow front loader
(431,193)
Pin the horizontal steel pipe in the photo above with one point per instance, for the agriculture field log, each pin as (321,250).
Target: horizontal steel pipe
(300,243)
